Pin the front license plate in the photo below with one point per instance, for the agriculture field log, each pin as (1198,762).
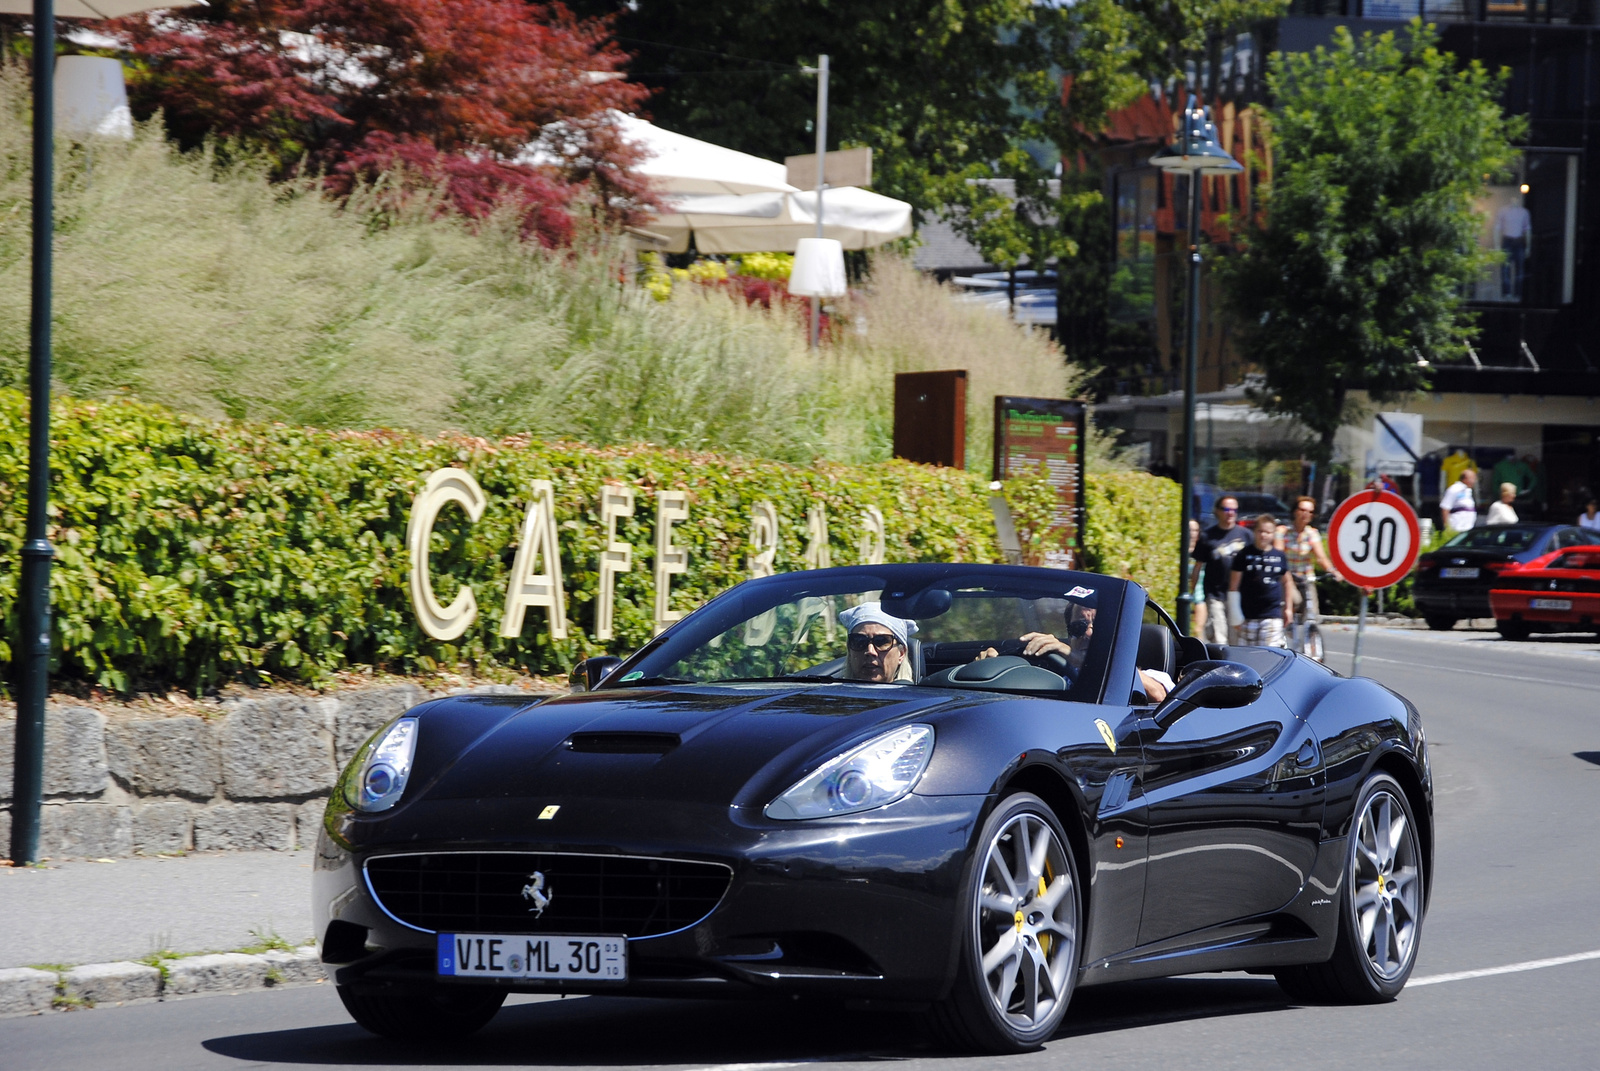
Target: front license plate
(567,956)
(1459,574)
(1550,604)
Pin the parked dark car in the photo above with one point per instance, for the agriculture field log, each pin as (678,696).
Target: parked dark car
(1252,504)
(1453,581)
(735,811)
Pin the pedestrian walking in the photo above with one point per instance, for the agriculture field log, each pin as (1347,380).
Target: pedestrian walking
(1502,511)
(1213,555)
(1258,597)
(1458,508)
(1197,595)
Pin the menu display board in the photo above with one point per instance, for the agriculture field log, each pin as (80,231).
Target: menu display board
(1031,431)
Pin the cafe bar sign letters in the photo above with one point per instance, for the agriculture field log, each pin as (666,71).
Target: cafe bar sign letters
(535,582)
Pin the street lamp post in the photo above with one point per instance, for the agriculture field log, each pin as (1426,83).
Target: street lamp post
(1194,153)
(34,590)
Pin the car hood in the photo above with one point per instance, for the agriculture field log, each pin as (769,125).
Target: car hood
(691,743)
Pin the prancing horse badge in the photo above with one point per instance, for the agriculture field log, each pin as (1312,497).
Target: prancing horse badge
(1105,734)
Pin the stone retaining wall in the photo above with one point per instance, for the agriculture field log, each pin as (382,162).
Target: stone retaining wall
(254,776)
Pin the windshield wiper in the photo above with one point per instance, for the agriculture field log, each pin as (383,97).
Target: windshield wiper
(820,678)
(654,680)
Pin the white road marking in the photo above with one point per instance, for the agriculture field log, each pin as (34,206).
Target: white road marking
(1478,673)
(1510,968)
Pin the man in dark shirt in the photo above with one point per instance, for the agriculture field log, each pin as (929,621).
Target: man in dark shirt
(1257,597)
(1214,552)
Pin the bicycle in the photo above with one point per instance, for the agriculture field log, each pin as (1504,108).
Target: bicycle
(1306,636)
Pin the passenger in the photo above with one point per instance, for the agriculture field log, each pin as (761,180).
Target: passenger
(1080,629)
(877,644)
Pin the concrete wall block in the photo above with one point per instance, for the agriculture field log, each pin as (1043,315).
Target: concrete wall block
(5,833)
(106,983)
(301,967)
(163,826)
(308,822)
(24,991)
(277,747)
(74,751)
(364,711)
(92,830)
(244,826)
(215,974)
(166,756)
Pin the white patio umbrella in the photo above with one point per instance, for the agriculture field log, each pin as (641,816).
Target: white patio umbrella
(775,222)
(685,165)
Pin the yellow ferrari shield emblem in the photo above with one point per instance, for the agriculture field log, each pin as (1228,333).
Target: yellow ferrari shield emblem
(1105,734)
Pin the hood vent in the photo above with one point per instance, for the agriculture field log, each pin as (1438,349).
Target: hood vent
(623,743)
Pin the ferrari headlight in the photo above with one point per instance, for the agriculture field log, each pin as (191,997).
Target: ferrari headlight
(377,776)
(880,771)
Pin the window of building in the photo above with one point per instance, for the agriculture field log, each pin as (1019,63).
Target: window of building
(1531,221)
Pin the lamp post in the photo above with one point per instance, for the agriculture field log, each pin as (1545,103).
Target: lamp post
(33,590)
(1194,153)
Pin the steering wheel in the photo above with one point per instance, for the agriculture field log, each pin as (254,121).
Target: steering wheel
(1054,661)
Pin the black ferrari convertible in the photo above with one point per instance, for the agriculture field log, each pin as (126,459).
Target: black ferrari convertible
(943,785)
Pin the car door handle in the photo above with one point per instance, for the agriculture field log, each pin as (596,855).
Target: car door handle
(1307,755)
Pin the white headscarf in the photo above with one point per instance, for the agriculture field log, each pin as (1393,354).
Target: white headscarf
(872,613)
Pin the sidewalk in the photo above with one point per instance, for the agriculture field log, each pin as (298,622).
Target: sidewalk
(87,912)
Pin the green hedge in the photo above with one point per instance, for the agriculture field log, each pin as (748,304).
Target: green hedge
(191,552)
(1131,530)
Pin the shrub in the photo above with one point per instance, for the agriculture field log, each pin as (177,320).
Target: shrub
(1131,530)
(191,551)
(216,292)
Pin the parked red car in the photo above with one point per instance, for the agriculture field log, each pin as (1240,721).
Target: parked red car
(1556,592)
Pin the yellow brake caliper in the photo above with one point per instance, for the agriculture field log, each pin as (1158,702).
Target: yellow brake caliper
(1045,938)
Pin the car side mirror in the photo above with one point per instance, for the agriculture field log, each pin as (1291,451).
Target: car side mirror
(1216,685)
(588,674)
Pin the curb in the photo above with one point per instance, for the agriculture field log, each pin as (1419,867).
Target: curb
(29,991)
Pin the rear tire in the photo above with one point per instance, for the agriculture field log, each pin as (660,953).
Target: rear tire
(1380,907)
(1440,623)
(1513,630)
(438,1015)
(1020,921)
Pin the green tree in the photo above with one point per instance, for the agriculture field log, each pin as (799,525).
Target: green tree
(1355,281)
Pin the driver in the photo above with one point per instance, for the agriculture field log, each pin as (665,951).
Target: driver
(877,644)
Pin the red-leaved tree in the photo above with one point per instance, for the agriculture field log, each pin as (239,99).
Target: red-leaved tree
(453,92)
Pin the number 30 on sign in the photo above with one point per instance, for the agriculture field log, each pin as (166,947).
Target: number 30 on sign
(1373,539)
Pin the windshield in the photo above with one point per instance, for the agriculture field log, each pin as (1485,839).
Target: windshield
(1496,538)
(898,625)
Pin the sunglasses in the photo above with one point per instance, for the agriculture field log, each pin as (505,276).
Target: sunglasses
(861,641)
(1227,509)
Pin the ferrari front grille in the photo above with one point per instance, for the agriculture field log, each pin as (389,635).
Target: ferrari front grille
(546,892)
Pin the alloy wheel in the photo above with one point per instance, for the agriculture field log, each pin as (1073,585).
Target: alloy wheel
(1386,886)
(1027,922)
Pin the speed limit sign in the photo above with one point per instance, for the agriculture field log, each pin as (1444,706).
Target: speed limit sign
(1373,539)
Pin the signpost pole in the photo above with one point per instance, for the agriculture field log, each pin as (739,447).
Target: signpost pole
(1361,626)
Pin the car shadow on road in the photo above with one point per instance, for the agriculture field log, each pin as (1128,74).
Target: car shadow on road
(619,1031)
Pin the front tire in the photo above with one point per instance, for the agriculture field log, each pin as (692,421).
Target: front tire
(441,1014)
(1380,907)
(1019,936)
(1440,623)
